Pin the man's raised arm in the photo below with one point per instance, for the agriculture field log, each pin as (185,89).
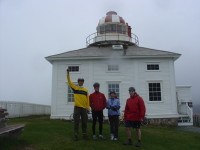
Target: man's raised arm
(71,84)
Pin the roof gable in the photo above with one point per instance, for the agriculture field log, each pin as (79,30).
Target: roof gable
(107,52)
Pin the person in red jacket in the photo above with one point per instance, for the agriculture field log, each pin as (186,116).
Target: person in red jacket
(97,104)
(133,115)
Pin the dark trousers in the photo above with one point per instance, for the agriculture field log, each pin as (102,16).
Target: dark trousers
(97,115)
(80,113)
(114,124)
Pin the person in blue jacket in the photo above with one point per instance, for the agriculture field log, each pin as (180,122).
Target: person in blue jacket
(113,107)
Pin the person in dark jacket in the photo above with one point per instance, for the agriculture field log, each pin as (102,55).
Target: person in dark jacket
(113,106)
(97,104)
(133,115)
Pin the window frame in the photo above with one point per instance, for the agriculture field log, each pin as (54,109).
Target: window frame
(112,83)
(74,66)
(152,63)
(111,66)
(161,91)
(71,93)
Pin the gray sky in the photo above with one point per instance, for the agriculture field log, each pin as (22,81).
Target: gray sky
(33,29)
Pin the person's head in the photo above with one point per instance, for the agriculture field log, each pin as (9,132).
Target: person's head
(131,91)
(112,94)
(96,86)
(80,81)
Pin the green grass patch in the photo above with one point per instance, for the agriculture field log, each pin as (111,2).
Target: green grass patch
(41,133)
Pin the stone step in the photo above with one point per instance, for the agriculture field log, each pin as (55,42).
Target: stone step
(12,131)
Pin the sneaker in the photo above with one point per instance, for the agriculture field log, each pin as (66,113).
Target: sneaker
(138,144)
(115,139)
(75,138)
(94,137)
(111,137)
(101,136)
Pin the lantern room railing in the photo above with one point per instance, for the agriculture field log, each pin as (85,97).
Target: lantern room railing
(91,39)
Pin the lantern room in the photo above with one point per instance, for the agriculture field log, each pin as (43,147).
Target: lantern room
(112,29)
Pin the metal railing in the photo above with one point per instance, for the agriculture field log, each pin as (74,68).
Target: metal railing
(91,39)
(189,112)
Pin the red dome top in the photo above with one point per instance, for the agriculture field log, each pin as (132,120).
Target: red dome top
(111,16)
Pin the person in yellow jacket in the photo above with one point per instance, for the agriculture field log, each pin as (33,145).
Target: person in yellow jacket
(81,105)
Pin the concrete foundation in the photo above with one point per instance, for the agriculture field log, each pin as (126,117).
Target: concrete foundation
(163,121)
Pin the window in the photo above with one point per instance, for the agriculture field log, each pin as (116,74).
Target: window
(119,28)
(70,94)
(113,87)
(113,68)
(124,29)
(74,68)
(108,28)
(102,29)
(154,92)
(113,27)
(152,66)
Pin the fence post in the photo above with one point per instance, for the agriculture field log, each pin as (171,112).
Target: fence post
(196,120)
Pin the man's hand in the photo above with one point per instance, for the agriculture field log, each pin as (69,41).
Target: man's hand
(88,111)
(114,108)
(68,71)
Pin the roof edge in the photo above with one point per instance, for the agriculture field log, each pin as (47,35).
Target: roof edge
(49,58)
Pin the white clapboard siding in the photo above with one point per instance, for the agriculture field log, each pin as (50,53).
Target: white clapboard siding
(132,72)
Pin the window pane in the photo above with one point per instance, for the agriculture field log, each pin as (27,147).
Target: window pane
(117,86)
(124,29)
(108,28)
(150,85)
(113,86)
(113,27)
(151,98)
(157,67)
(119,28)
(158,88)
(155,94)
(102,29)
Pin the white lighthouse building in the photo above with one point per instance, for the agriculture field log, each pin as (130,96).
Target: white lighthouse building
(114,58)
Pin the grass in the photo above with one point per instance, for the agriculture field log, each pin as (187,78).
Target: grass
(41,133)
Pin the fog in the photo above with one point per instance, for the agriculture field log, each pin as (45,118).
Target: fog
(33,29)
